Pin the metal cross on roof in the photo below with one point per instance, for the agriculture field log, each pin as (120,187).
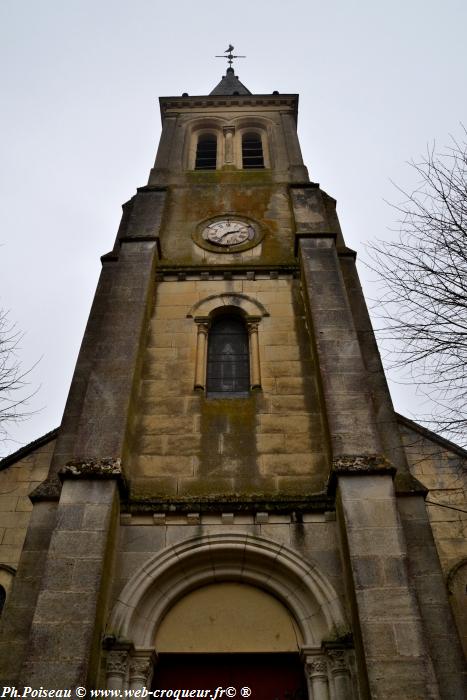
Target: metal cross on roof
(230,56)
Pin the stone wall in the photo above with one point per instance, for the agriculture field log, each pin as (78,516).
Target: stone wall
(273,441)
(441,468)
(17,480)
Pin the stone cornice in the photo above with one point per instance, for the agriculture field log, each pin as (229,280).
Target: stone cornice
(103,468)
(180,104)
(358,465)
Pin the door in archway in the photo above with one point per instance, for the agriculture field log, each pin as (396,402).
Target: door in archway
(258,676)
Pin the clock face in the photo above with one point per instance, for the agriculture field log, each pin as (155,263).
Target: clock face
(228,232)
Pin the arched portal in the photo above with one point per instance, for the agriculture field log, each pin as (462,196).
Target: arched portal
(260,573)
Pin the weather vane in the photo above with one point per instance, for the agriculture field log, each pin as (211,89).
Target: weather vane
(230,56)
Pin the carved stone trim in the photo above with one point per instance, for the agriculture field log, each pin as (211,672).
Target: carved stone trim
(338,661)
(142,664)
(117,662)
(316,672)
(316,666)
(358,465)
(92,467)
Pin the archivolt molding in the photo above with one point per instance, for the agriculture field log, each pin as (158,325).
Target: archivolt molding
(244,558)
(250,307)
(453,573)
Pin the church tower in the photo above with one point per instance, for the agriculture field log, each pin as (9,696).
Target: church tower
(229,501)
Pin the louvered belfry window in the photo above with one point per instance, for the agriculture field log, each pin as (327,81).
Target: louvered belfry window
(252,151)
(206,152)
(228,370)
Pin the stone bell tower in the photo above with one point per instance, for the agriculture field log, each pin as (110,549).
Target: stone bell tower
(229,485)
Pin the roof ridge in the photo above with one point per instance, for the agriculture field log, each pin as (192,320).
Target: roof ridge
(26,449)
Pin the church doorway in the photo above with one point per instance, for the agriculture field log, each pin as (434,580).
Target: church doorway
(230,635)
(276,676)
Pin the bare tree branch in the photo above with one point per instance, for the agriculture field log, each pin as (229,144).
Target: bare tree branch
(423,286)
(14,395)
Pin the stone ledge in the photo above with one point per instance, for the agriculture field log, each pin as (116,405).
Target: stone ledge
(358,465)
(49,490)
(235,504)
(95,468)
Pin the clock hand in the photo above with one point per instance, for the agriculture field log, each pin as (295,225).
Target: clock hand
(236,230)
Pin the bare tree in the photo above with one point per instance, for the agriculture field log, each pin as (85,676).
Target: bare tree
(423,299)
(13,380)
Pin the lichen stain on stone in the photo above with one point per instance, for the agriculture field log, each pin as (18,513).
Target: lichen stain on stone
(265,204)
(228,440)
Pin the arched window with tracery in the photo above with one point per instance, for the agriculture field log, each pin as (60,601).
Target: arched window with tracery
(252,151)
(206,152)
(228,361)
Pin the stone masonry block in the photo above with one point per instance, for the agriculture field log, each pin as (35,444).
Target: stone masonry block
(387,604)
(271,442)
(70,517)
(65,607)
(408,639)
(143,538)
(290,464)
(167,425)
(284,424)
(157,465)
(385,541)
(14,536)
(368,571)
(77,544)
(380,640)
(96,517)
(87,491)
(372,513)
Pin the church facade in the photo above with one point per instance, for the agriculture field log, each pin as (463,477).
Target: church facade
(231,500)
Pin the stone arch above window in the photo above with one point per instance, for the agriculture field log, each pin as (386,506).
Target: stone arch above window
(249,306)
(252,143)
(245,366)
(204,144)
(233,557)
(294,595)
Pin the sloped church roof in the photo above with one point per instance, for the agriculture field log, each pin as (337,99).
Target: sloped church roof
(230,85)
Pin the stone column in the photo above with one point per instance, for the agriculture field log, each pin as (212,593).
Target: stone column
(390,628)
(228,145)
(142,664)
(340,674)
(116,669)
(316,671)
(296,167)
(349,408)
(159,172)
(385,609)
(201,344)
(255,372)
(68,621)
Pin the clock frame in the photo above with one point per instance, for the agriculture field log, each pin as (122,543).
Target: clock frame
(228,233)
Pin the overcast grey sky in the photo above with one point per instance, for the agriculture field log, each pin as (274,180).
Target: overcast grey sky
(80,125)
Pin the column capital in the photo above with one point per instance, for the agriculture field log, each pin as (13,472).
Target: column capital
(142,662)
(316,665)
(117,661)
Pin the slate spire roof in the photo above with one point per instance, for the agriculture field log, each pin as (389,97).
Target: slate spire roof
(230,85)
